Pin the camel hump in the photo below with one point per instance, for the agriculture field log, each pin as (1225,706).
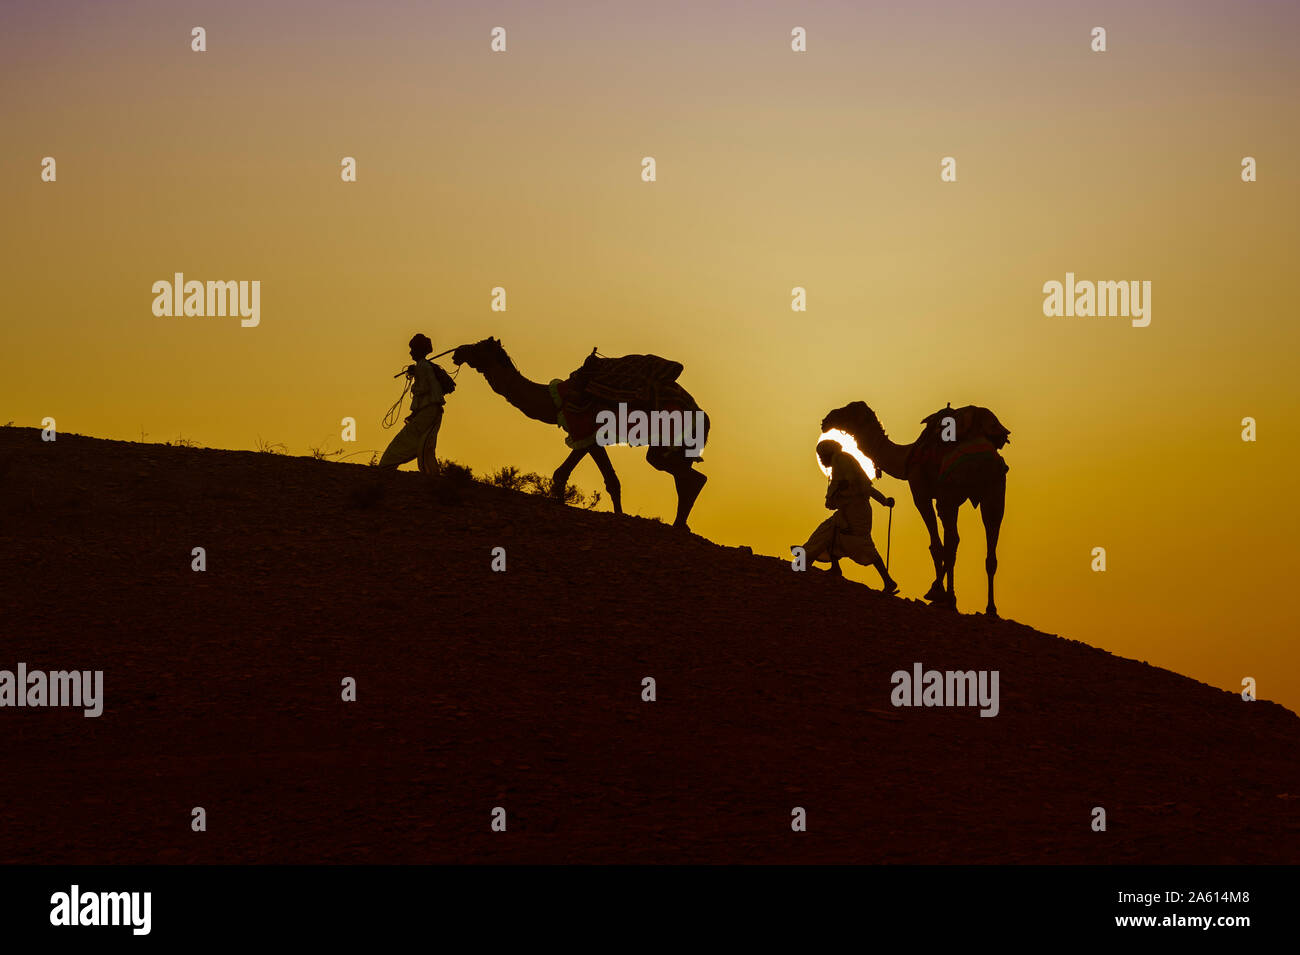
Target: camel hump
(972,422)
(628,378)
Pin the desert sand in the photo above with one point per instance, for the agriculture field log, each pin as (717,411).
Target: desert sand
(523,690)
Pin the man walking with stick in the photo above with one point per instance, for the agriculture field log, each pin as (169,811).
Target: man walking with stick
(847,532)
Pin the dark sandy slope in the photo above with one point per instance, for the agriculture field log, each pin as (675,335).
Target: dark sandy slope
(523,690)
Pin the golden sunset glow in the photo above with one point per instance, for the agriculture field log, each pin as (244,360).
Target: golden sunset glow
(850,445)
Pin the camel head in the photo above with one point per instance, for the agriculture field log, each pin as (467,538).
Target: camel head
(480,354)
(855,418)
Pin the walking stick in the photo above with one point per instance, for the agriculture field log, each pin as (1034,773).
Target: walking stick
(889,534)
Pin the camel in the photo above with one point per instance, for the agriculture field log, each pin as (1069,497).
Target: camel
(541,402)
(954,460)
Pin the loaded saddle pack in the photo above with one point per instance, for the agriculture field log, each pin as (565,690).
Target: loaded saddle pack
(956,438)
(639,381)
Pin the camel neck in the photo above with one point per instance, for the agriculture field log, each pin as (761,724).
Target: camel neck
(888,456)
(531,397)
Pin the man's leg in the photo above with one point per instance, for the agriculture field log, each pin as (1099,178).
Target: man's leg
(835,561)
(427,458)
(404,447)
(888,584)
(410,442)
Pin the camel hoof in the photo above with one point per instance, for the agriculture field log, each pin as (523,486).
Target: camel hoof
(936,593)
(991,612)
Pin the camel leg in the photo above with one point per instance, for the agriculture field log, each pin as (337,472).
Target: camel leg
(560,480)
(993,505)
(948,515)
(689,481)
(612,486)
(689,485)
(926,507)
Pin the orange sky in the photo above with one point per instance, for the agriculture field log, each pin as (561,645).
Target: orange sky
(819,170)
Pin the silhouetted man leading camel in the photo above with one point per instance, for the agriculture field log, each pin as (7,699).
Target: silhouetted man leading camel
(418,439)
(847,532)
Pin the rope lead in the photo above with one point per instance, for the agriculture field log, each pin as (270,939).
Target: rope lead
(395,411)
